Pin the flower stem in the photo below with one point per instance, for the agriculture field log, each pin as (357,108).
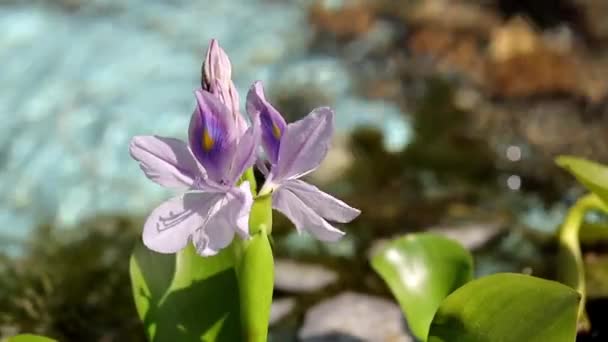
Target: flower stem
(572,272)
(255,271)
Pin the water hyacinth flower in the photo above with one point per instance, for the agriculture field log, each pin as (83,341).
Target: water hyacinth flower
(294,150)
(213,208)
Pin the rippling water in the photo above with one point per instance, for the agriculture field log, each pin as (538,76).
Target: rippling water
(77,84)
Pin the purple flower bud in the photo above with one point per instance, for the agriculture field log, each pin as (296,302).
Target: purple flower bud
(217,70)
(217,80)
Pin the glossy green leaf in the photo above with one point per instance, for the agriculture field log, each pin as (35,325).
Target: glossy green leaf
(29,338)
(186,297)
(421,270)
(592,175)
(507,307)
(255,272)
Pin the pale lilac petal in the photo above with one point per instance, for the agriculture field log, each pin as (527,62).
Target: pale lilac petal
(260,163)
(230,215)
(212,136)
(233,95)
(245,154)
(169,226)
(166,161)
(305,144)
(273,124)
(325,205)
(303,217)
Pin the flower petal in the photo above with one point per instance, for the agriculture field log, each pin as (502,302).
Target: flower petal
(273,124)
(304,218)
(212,136)
(229,215)
(305,144)
(233,95)
(325,205)
(166,161)
(245,154)
(169,227)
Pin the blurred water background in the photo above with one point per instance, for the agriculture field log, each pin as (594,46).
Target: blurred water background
(447,123)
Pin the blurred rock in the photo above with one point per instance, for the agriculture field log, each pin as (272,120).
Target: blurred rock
(463,15)
(280,309)
(523,63)
(595,13)
(472,236)
(338,160)
(354,317)
(451,52)
(596,275)
(298,277)
(343,18)
(518,62)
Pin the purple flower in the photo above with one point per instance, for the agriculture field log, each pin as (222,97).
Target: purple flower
(213,207)
(217,79)
(295,150)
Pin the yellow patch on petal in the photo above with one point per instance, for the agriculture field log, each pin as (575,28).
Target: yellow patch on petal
(207,141)
(276,131)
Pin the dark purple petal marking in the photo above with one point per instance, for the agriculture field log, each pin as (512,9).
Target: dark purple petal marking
(212,135)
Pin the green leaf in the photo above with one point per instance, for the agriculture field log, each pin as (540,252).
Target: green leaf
(507,307)
(29,338)
(256,272)
(590,174)
(186,297)
(421,270)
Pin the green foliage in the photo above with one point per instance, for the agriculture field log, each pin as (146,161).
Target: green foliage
(226,297)
(421,270)
(570,265)
(509,308)
(29,338)
(255,272)
(570,268)
(592,175)
(186,297)
(256,278)
(73,284)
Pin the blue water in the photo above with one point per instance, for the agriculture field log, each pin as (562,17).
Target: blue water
(76,85)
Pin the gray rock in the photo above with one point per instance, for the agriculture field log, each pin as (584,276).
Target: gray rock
(473,235)
(281,308)
(354,317)
(298,277)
